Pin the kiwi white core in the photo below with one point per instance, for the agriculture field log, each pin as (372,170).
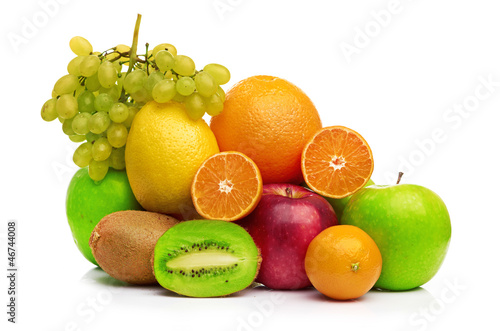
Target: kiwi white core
(202,259)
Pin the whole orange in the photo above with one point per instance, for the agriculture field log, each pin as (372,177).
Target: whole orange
(270,120)
(343,262)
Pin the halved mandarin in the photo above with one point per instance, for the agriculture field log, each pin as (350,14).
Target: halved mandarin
(227,186)
(336,162)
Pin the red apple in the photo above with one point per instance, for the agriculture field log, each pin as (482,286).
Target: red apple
(282,225)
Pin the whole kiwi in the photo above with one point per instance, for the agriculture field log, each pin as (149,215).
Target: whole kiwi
(122,244)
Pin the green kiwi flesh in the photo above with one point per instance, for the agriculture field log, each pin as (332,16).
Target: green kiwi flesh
(123,242)
(206,258)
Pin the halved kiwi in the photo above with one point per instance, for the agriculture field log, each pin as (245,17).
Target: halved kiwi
(206,258)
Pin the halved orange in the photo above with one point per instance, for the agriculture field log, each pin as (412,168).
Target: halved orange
(227,186)
(336,162)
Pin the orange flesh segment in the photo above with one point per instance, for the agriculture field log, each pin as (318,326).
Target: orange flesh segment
(227,186)
(337,162)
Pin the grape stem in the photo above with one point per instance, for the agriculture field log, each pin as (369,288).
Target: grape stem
(133,49)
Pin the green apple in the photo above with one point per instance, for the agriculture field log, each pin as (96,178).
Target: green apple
(411,227)
(339,204)
(88,201)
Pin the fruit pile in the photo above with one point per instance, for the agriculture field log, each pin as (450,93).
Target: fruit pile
(265,194)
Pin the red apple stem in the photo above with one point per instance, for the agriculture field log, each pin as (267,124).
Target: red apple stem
(288,191)
(399,177)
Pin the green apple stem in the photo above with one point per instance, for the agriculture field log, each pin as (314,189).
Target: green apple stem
(288,191)
(399,177)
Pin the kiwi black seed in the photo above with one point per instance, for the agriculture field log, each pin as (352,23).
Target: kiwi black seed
(206,258)
(123,242)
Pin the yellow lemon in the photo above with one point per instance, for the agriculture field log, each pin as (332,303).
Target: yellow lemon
(165,148)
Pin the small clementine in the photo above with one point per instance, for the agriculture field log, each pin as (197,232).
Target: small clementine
(343,262)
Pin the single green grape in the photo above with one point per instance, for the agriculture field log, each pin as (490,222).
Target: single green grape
(214,105)
(66,84)
(80,46)
(99,122)
(113,92)
(132,111)
(184,65)
(205,84)
(103,102)
(81,123)
(66,106)
(86,102)
(67,127)
(77,138)
(164,47)
(122,48)
(117,158)
(164,91)
(153,78)
(119,112)
(135,81)
(98,169)
(195,106)
(117,135)
(74,65)
(221,94)
(141,96)
(107,74)
(101,149)
(164,60)
(220,73)
(89,65)
(185,86)
(83,155)
(49,112)
(92,83)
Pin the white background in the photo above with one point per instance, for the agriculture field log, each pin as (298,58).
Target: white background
(398,90)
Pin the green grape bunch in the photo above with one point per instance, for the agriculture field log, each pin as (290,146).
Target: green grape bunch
(97,100)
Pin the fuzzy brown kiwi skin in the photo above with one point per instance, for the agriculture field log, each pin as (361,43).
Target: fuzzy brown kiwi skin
(123,242)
